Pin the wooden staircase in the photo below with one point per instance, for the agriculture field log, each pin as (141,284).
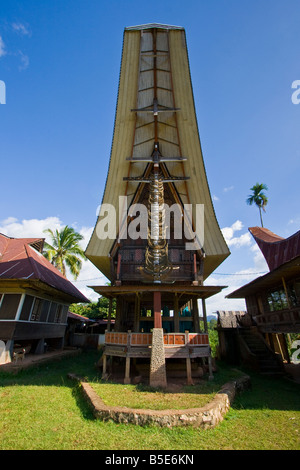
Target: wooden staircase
(266,360)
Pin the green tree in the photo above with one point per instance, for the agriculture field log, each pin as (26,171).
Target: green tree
(95,310)
(65,250)
(259,198)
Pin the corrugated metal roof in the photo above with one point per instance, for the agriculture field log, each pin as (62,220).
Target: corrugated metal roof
(78,317)
(19,259)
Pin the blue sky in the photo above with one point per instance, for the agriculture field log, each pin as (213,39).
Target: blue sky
(60,62)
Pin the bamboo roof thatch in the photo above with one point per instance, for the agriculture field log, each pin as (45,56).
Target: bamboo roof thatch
(166,96)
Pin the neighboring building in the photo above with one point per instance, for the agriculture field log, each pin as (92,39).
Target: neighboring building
(273,300)
(34,298)
(156,159)
(85,332)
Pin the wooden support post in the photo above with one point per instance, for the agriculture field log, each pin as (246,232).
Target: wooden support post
(104,358)
(109,314)
(286,293)
(176,314)
(195,282)
(196,315)
(189,371)
(157,309)
(137,311)
(204,316)
(118,314)
(127,371)
(118,282)
(210,371)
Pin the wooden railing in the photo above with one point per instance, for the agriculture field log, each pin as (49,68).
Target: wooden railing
(145,339)
(279,317)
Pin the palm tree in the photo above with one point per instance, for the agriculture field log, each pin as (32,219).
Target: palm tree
(258,198)
(65,250)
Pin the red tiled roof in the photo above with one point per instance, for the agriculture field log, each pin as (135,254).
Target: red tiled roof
(21,258)
(276,250)
(76,316)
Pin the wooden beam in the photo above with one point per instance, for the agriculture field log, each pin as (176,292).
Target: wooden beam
(127,371)
(157,309)
(286,292)
(176,314)
(137,311)
(104,366)
(196,315)
(204,316)
(109,314)
(189,371)
(119,266)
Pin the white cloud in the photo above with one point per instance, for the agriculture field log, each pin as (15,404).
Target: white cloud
(31,228)
(215,198)
(24,61)
(229,188)
(252,257)
(231,282)
(89,276)
(242,240)
(2,47)
(295,221)
(8,221)
(259,260)
(21,29)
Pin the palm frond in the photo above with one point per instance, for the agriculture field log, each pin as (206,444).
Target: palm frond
(65,250)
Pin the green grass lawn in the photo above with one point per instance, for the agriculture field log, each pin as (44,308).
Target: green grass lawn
(40,408)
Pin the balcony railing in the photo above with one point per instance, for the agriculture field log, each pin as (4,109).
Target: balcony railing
(279,318)
(145,339)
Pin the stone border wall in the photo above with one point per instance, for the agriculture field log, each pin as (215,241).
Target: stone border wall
(206,417)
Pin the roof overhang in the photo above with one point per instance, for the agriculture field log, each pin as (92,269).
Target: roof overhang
(288,271)
(200,292)
(38,287)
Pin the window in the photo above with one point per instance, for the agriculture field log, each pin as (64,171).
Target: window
(292,295)
(9,306)
(65,314)
(58,315)
(37,308)
(26,309)
(277,299)
(44,310)
(52,312)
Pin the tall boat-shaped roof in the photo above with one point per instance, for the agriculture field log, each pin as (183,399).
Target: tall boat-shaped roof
(276,250)
(156,106)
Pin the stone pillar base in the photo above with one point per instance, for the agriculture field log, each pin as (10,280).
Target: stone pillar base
(158,376)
